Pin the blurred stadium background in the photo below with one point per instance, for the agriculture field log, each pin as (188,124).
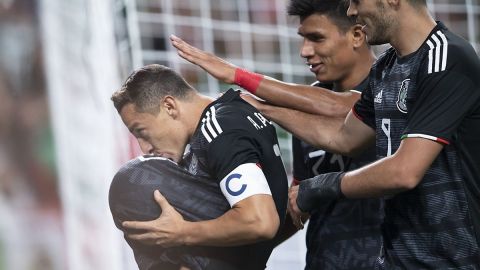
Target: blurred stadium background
(60,138)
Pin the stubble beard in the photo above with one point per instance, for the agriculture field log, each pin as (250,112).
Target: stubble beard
(380,28)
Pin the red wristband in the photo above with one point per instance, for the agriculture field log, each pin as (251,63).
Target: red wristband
(247,80)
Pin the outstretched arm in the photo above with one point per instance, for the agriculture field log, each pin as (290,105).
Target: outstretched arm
(399,172)
(250,220)
(304,98)
(348,136)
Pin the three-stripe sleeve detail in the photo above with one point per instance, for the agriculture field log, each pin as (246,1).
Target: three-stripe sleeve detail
(438,53)
(210,127)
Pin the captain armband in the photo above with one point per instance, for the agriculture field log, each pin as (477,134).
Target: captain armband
(244,181)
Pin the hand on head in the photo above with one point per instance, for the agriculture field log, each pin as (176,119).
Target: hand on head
(217,67)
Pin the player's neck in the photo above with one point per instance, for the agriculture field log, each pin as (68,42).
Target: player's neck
(195,106)
(359,72)
(412,31)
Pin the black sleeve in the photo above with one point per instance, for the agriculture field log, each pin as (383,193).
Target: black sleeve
(231,149)
(364,109)
(443,100)
(300,169)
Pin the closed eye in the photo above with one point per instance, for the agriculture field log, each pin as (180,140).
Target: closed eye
(315,37)
(138,132)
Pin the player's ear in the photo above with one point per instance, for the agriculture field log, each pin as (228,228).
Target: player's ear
(357,36)
(395,3)
(170,105)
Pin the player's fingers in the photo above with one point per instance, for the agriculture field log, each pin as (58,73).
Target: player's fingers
(185,53)
(294,207)
(179,44)
(175,38)
(184,56)
(162,202)
(300,224)
(137,225)
(297,221)
(184,46)
(152,239)
(148,238)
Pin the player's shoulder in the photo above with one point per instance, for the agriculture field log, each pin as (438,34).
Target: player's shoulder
(446,51)
(230,113)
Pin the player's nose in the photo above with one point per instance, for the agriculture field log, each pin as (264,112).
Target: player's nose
(145,146)
(352,10)
(306,50)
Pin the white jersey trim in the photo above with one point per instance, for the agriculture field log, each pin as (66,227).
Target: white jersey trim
(425,136)
(355,91)
(244,181)
(146,158)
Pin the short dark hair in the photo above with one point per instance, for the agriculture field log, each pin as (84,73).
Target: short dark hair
(336,10)
(146,87)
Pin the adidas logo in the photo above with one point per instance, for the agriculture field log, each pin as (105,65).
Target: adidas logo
(378,97)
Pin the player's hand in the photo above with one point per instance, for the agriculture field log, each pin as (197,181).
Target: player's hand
(217,67)
(167,230)
(298,216)
(298,220)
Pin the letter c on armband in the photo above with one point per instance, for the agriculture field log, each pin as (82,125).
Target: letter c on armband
(227,185)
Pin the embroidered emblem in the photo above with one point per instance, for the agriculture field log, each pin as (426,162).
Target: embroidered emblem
(402,96)
(378,97)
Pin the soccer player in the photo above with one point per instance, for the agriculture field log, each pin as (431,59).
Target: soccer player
(422,106)
(346,234)
(194,197)
(229,141)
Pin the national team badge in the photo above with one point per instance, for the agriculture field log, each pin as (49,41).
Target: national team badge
(402,96)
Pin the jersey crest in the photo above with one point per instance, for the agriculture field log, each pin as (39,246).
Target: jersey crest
(402,96)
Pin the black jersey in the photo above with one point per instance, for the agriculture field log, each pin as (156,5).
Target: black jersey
(346,234)
(231,133)
(434,93)
(194,197)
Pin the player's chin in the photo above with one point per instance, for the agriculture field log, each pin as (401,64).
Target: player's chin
(172,157)
(325,77)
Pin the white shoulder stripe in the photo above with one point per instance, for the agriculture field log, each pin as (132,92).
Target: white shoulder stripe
(204,132)
(208,121)
(438,45)
(208,130)
(430,56)
(214,119)
(445,49)
(438,53)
